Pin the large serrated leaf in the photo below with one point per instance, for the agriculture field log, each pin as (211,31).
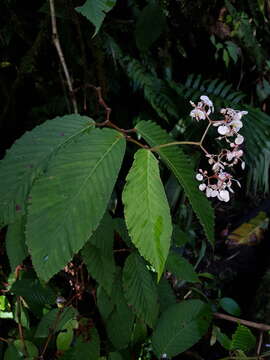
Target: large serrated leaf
(29,156)
(95,11)
(140,289)
(178,163)
(69,201)
(147,212)
(180,327)
(15,243)
(98,254)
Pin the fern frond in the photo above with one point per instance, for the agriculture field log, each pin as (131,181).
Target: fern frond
(156,91)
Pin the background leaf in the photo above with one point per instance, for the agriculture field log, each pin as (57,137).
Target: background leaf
(55,320)
(95,11)
(87,347)
(147,212)
(180,327)
(34,293)
(150,24)
(179,164)
(243,339)
(140,289)
(230,306)
(165,294)
(71,198)
(29,156)
(98,254)
(180,267)
(119,323)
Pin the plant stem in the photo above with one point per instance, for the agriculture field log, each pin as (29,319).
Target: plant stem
(156,148)
(57,45)
(259,326)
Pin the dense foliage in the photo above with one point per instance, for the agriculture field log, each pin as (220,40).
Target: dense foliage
(108,241)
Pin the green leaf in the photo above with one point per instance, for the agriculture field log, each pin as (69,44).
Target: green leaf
(104,303)
(34,294)
(32,350)
(243,339)
(77,186)
(115,356)
(15,243)
(98,254)
(95,11)
(119,323)
(165,294)
(120,228)
(119,326)
(65,337)
(181,268)
(12,353)
(147,212)
(28,158)
(54,321)
(179,164)
(230,306)
(21,315)
(139,333)
(150,25)
(84,347)
(140,289)
(180,327)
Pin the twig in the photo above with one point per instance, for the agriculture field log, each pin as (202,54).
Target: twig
(52,330)
(259,326)
(57,45)
(260,343)
(19,307)
(173,143)
(4,340)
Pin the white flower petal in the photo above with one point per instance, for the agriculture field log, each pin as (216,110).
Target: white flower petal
(243,165)
(223,130)
(214,193)
(224,195)
(197,114)
(230,155)
(208,191)
(239,139)
(205,99)
(199,177)
(202,187)
(236,124)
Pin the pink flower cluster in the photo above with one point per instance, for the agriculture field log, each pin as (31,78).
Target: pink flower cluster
(219,183)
